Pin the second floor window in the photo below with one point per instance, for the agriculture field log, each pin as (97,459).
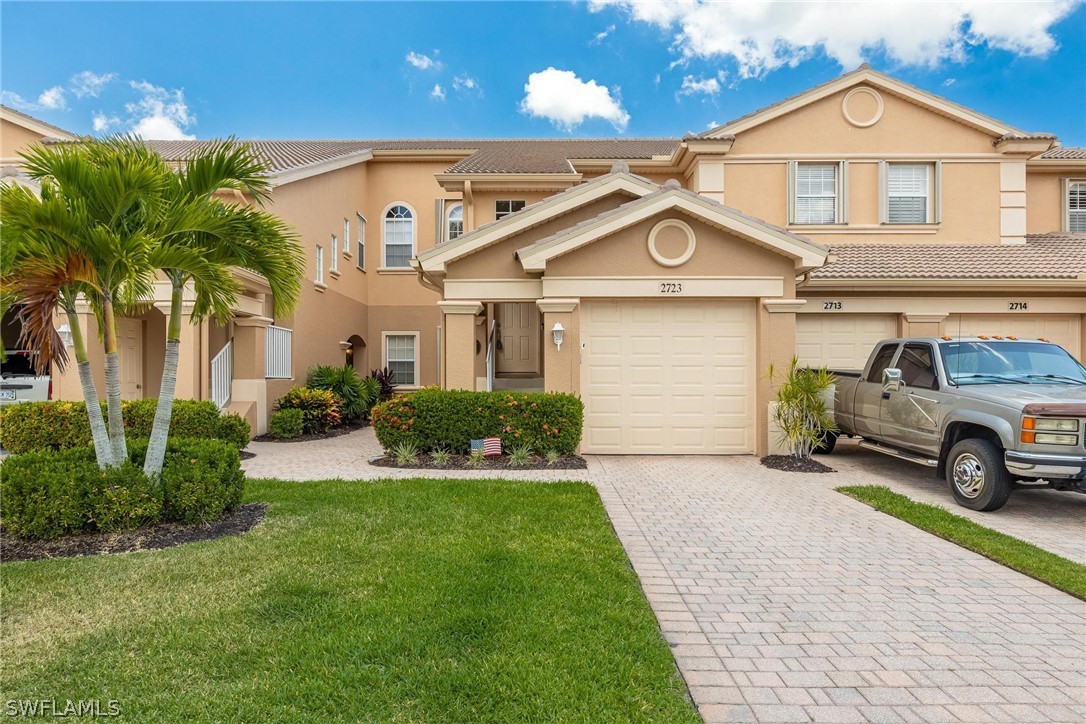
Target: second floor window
(504,207)
(335,253)
(816,193)
(320,264)
(455,225)
(399,236)
(361,260)
(908,193)
(1076,206)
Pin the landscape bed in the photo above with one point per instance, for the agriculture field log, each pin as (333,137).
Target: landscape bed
(464,462)
(410,600)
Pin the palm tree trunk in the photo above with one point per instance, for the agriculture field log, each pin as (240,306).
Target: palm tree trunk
(103,450)
(156,448)
(113,384)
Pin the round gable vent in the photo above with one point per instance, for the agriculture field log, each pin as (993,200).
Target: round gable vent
(671,243)
(862,107)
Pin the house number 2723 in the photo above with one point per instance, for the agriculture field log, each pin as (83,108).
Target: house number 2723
(671,288)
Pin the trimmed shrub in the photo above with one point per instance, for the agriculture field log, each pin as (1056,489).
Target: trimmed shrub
(286,424)
(434,419)
(234,429)
(53,493)
(355,398)
(33,426)
(320,408)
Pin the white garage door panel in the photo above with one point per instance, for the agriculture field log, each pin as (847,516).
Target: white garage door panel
(1063,329)
(841,341)
(673,376)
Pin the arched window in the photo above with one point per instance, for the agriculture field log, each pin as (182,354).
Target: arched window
(455,226)
(399,236)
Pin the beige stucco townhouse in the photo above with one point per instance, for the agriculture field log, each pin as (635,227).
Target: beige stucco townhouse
(673,272)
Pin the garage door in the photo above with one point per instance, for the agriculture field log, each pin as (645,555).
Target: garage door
(675,376)
(1063,329)
(841,341)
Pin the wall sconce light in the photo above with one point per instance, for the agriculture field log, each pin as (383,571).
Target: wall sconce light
(65,332)
(559,333)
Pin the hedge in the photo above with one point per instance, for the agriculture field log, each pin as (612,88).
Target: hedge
(433,419)
(35,426)
(53,493)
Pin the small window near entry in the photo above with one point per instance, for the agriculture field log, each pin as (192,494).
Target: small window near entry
(504,207)
(361,260)
(816,193)
(1076,206)
(455,225)
(908,193)
(882,361)
(917,367)
(400,356)
(320,264)
(335,253)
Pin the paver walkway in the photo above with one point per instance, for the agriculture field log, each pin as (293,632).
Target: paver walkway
(784,600)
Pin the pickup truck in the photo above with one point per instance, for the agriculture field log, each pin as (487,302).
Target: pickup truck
(986,412)
(19,382)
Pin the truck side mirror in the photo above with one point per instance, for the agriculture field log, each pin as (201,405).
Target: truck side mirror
(891,380)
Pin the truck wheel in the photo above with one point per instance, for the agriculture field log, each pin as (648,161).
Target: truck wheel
(977,476)
(827,444)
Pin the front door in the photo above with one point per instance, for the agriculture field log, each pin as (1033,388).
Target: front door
(518,327)
(130,357)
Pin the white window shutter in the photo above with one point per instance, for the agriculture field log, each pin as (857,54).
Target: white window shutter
(439,221)
(937,193)
(883,192)
(792,165)
(842,208)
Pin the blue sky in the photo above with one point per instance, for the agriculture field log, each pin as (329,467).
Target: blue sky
(365,70)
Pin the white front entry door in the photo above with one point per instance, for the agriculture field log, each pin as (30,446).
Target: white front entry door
(675,376)
(519,325)
(130,357)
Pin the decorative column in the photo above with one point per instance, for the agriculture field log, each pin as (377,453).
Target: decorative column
(561,366)
(459,340)
(249,389)
(189,352)
(924,325)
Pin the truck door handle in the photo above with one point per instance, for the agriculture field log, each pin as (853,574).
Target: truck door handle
(886,395)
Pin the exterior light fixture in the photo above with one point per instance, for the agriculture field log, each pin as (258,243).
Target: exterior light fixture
(559,333)
(65,332)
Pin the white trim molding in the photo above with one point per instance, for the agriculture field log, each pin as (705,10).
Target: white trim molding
(505,290)
(461,306)
(557,305)
(663,286)
(782,306)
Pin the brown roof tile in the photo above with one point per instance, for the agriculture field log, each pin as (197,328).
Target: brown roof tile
(1043,256)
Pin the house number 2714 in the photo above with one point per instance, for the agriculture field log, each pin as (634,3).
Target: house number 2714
(671,288)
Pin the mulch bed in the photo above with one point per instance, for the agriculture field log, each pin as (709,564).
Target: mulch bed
(246,455)
(334,432)
(460,462)
(154,537)
(795,465)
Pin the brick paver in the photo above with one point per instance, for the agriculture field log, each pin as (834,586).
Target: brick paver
(784,600)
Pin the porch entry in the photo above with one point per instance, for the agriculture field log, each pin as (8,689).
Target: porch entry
(130,357)
(518,336)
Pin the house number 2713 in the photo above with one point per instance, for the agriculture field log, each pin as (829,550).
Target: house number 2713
(671,288)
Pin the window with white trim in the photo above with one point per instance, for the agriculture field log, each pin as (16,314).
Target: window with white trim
(504,207)
(1076,205)
(401,356)
(346,236)
(399,228)
(817,193)
(908,193)
(361,260)
(455,224)
(335,253)
(320,264)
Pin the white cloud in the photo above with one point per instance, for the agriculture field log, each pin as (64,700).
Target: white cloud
(466,84)
(422,61)
(103,123)
(53,99)
(438,93)
(16,101)
(949,82)
(761,35)
(160,114)
(709,86)
(602,35)
(86,83)
(566,100)
(712,125)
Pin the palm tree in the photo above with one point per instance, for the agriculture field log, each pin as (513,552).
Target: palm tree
(203,254)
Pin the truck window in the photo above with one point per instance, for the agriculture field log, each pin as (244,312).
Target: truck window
(882,361)
(917,367)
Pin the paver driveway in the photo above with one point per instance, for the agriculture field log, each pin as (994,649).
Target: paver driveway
(786,601)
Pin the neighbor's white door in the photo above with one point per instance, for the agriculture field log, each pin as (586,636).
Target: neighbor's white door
(519,324)
(1063,329)
(673,376)
(841,341)
(130,357)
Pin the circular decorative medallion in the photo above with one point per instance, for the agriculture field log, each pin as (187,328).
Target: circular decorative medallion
(862,107)
(668,237)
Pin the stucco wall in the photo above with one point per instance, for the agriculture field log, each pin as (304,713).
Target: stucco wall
(15,139)
(1044,200)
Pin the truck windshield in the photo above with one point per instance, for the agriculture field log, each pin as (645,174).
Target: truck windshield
(990,362)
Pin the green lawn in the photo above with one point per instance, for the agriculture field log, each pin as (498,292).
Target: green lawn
(404,600)
(1012,552)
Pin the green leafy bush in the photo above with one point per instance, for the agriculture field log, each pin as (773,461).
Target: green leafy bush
(53,493)
(320,408)
(286,424)
(34,426)
(355,396)
(449,419)
(802,414)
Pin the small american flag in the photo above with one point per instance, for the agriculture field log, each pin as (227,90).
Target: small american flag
(490,446)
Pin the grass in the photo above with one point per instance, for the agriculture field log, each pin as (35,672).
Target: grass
(407,600)
(1012,552)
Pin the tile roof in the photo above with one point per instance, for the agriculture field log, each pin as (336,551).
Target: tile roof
(1043,256)
(1064,152)
(486,155)
(61,133)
